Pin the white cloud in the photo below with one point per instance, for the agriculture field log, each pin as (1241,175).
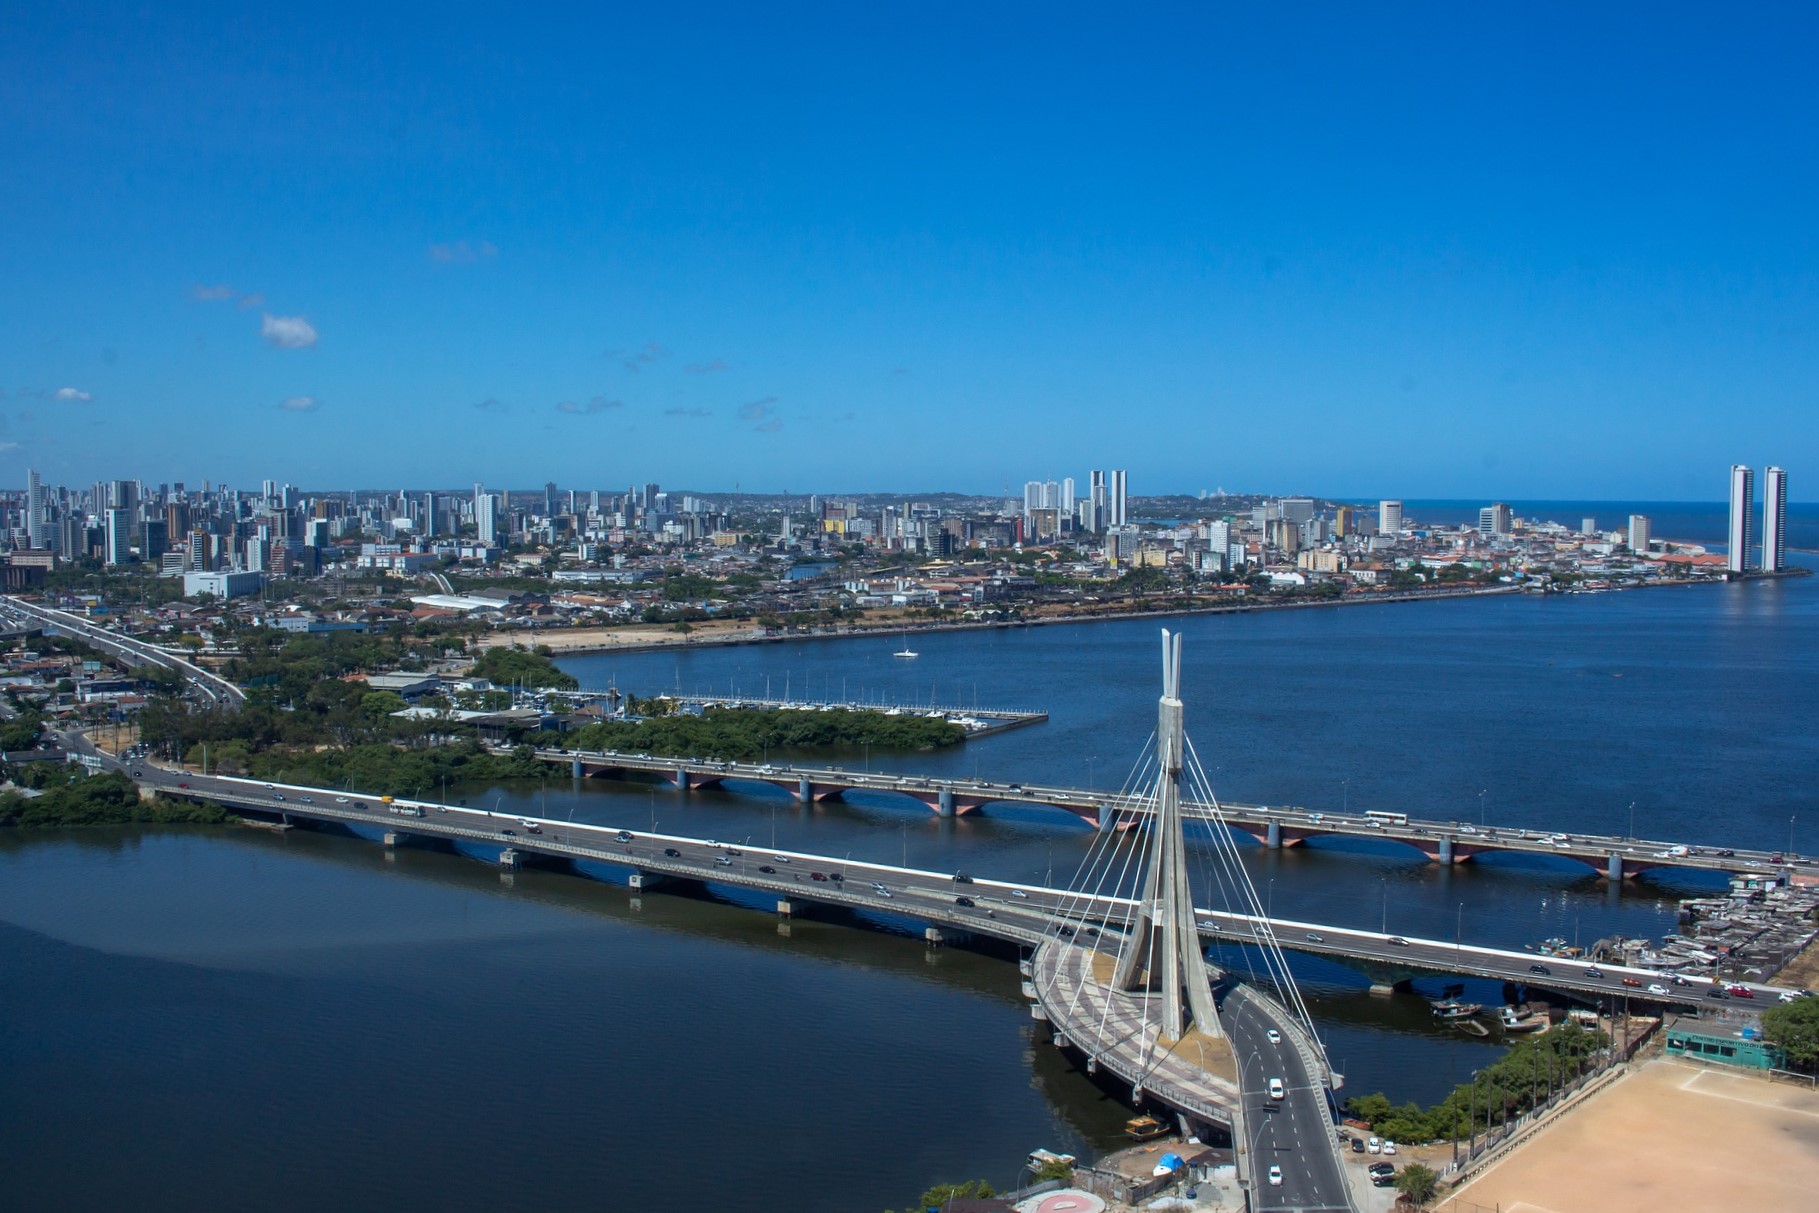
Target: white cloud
(463,253)
(202,292)
(287,332)
(301,404)
(599,404)
(70,394)
(7,448)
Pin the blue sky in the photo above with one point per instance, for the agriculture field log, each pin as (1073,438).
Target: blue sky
(1517,251)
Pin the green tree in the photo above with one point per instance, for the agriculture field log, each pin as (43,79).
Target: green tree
(1417,1182)
(1795,1027)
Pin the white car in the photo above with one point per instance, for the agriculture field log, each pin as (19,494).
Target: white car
(1019,893)
(1389,1147)
(1275,1177)
(1276,1089)
(1273,1036)
(1374,1145)
(1657,988)
(340,800)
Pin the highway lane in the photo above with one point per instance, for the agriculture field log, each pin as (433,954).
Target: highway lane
(1002,908)
(1296,1133)
(211,686)
(1422,834)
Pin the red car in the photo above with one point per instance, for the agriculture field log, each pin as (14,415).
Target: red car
(1631,981)
(1740,991)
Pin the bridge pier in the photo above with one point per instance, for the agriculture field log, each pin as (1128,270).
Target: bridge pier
(1274,838)
(1446,850)
(644,880)
(393,838)
(946,806)
(509,858)
(786,908)
(805,791)
(1613,867)
(1108,818)
(574,768)
(682,784)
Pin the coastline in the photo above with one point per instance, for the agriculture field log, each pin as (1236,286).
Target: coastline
(580,642)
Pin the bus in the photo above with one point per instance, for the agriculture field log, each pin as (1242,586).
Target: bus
(1380,818)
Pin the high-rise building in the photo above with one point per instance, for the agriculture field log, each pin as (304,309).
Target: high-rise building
(1096,499)
(119,539)
(1743,502)
(34,509)
(1343,522)
(1494,519)
(1297,509)
(1389,518)
(1639,535)
(1588,526)
(1774,520)
(486,520)
(1117,506)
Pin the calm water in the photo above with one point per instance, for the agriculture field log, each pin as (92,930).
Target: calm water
(306,1021)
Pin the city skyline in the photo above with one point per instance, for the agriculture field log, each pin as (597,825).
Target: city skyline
(854,253)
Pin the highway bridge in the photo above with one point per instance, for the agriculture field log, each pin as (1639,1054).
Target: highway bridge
(1273,826)
(1019,913)
(213,688)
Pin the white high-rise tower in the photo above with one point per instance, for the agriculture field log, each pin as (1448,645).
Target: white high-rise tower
(1743,502)
(1774,520)
(34,509)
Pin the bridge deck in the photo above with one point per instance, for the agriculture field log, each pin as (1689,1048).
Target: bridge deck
(1196,1075)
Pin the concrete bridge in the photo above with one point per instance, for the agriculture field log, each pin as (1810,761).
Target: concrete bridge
(210,686)
(1019,913)
(1280,826)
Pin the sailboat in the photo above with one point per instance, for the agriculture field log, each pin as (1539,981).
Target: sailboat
(906,652)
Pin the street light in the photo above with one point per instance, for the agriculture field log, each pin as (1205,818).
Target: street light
(1459,935)
(1384,928)
(1269,903)
(1790,832)
(1345,795)
(1632,833)
(1481,793)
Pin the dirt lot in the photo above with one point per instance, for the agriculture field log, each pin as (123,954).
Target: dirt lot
(1672,1135)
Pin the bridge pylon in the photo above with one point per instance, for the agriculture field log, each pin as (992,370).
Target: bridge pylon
(1164,955)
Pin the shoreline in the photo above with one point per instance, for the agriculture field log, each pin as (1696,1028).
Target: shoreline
(639,642)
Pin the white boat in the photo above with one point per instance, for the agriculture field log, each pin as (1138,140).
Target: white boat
(906,651)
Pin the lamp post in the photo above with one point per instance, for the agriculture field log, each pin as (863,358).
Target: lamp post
(1632,833)
(1481,793)
(1345,795)
(1092,758)
(1459,935)
(1384,927)
(1791,817)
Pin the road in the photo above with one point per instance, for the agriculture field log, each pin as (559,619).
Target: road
(1296,1132)
(210,686)
(1441,840)
(1005,909)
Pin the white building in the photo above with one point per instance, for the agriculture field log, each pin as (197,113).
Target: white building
(1118,500)
(222,585)
(1774,520)
(486,519)
(119,538)
(1743,502)
(1639,536)
(1389,518)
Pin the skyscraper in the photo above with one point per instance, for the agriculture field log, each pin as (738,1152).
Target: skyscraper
(1494,519)
(1118,499)
(34,509)
(1639,535)
(1743,500)
(119,537)
(486,521)
(1774,520)
(1097,501)
(1389,518)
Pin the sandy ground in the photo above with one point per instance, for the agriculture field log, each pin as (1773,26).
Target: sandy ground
(1672,1135)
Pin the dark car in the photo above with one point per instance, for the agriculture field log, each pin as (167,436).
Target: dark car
(1357,1145)
(836,877)
(1398,942)
(1726,853)
(672,852)
(623,835)
(138,774)
(359,804)
(183,785)
(768,870)
(509,833)
(817,876)
(962,878)
(1066,932)
(963,901)
(1541,969)
(1716,992)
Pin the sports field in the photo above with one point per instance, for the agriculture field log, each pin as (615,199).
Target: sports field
(1672,1135)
